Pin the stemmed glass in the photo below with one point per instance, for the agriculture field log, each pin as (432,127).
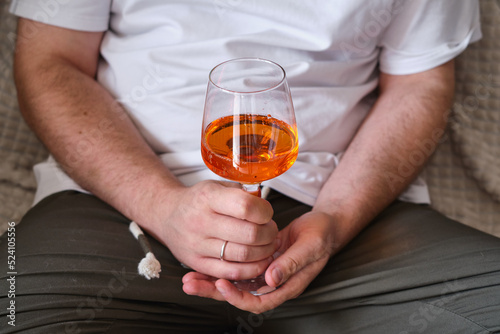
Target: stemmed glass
(249,132)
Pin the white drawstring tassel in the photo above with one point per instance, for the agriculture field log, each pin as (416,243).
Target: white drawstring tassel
(149,267)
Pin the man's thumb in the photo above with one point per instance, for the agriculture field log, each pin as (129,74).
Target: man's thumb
(289,263)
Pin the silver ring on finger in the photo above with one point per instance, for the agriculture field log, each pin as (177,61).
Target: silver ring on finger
(221,257)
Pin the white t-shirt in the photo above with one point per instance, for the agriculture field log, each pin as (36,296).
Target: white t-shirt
(156,56)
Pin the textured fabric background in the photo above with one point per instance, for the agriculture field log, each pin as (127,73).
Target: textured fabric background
(19,148)
(463,175)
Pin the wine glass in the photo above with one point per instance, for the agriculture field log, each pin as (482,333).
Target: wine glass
(249,133)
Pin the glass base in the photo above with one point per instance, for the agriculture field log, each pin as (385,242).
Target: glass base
(256,286)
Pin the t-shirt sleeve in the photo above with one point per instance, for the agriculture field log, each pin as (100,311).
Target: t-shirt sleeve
(85,15)
(427,33)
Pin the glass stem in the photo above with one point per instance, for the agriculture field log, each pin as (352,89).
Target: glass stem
(253,189)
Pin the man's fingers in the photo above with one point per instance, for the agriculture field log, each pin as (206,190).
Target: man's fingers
(220,289)
(241,232)
(194,275)
(198,284)
(302,253)
(248,302)
(237,203)
(233,270)
(313,244)
(307,244)
(235,252)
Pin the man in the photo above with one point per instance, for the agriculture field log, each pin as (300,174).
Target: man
(115,90)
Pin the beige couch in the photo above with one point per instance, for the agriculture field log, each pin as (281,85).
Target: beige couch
(463,175)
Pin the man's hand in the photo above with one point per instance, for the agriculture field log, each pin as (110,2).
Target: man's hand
(306,246)
(210,213)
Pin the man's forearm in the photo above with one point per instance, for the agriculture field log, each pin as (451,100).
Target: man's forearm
(91,136)
(410,110)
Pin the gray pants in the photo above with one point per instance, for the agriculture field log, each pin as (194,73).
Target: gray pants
(411,271)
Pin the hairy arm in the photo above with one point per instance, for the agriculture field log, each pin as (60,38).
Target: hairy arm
(97,144)
(410,113)
(79,121)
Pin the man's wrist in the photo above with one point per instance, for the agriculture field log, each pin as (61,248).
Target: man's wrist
(158,202)
(346,221)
